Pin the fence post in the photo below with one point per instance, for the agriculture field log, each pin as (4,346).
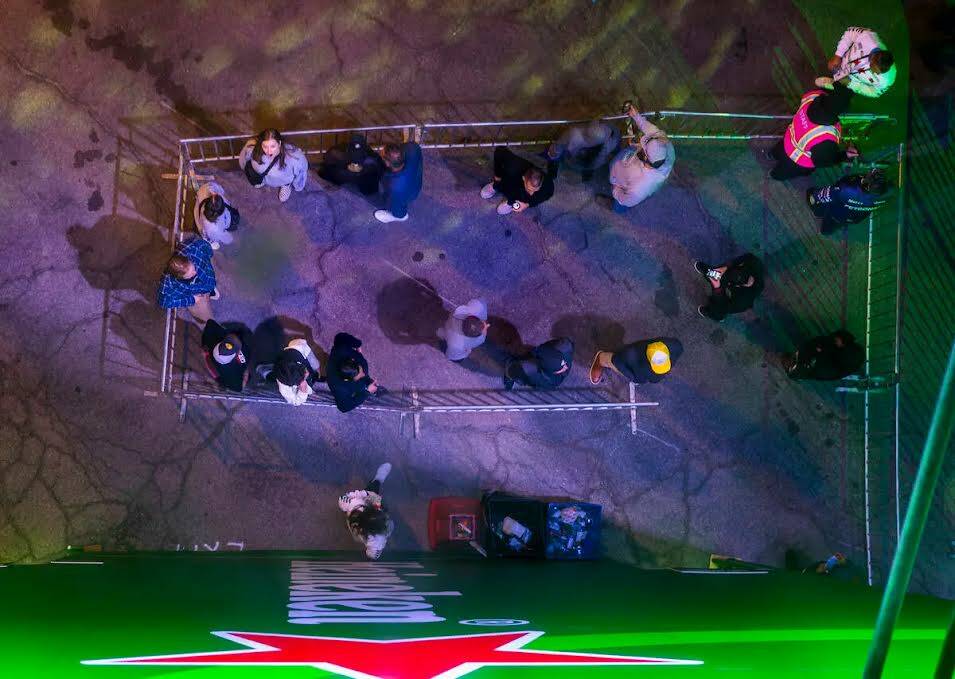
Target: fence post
(930,468)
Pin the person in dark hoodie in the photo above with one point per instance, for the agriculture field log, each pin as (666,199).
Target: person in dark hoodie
(353,162)
(849,200)
(828,357)
(586,148)
(545,367)
(814,136)
(348,377)
(735,286)
(639,362)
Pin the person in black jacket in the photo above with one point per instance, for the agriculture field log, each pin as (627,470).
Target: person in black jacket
(827,357)
(544,368)
(735,286)
(353,162)
(348,377)
(523,184)
(849,200)
(640,362)
(224,358)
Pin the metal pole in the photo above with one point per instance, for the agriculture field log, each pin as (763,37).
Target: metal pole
(866,408)
(930,468)
(899,226)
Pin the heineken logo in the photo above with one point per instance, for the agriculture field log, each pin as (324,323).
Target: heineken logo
(420,658)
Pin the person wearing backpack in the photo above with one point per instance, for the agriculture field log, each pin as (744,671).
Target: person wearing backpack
(215,218)
(268,160)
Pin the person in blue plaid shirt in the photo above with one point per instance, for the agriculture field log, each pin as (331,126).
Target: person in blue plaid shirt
(189,280)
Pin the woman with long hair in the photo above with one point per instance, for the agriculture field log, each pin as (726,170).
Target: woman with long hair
(268,160)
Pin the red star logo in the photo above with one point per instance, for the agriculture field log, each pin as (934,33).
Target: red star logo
(423,658)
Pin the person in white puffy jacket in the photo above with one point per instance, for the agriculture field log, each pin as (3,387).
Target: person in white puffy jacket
(366,516)
(643,166)
(862,63)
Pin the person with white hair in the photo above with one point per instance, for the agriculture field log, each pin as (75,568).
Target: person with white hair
(642,167)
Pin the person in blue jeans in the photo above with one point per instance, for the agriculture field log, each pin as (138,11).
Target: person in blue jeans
(401,183)
(848,201)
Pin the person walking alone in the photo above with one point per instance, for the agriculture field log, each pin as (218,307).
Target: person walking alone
(366,516)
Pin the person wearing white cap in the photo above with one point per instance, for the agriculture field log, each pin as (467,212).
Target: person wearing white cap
(465,330)
(640,362)
(224,357)
(643,166)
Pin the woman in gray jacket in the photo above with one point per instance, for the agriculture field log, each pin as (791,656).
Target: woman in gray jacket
(215,218)
(268,160)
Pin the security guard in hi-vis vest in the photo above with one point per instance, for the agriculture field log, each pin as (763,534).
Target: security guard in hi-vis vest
(814,136)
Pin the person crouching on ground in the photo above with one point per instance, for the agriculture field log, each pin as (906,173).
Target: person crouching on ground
(639,362)
(189,280)
(465,330)
(522,183)
(545,367)
(224,357)
(353,162)
(268,160)
(215,218)
(585,148)
(348,377)
(828,357)
(402,181)
(849,200)
(295,370)
(366,515)
(735,286)
(641,167)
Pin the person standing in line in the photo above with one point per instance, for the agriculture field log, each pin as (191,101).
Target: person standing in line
(522,183)
(295,371)
(639,362)
(545,367)
(268,160)
(465,330)
(189,280)
(735,286)
(849,200)
(813,138)
(353,162)
(642,167)
(585,148)
(862,63)
(402,181)
(348,377)
(224,357)
(215,218)
(827,357)
(366,516)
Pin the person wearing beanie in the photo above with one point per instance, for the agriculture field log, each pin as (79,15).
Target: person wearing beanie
(641,167)
(849,200)
(366,516)
(734,286)
(545,367)
(295,371)
(353,162)
(224,356)
(862,63)
(348,377)
(640,362)
(465,330)
(813,138)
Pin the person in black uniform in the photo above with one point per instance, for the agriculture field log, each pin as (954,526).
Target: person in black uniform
(849,200)
(545,367)
(348,377)
(827,357)
(353,162)
(224,358)
(640,362)
(735,286)
(522,183)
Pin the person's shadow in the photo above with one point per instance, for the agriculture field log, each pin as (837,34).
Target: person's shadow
(410,312)
(590,334)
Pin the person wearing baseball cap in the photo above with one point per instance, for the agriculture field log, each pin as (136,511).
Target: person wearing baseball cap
(641,167)
(545,367)
(645,361)
(224,357)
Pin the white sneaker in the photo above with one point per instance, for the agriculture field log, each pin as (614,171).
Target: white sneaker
(215,244)
(215,294)
(285,193)
(488,191)
(385,216)
(824,82)
(383,472)
(504,208)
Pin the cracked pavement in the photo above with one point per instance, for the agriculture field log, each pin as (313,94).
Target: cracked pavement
(736,460)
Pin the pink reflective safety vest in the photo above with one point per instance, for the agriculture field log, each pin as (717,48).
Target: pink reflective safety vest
(802,134)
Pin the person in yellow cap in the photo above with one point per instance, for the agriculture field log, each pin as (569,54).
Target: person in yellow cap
(640,362)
